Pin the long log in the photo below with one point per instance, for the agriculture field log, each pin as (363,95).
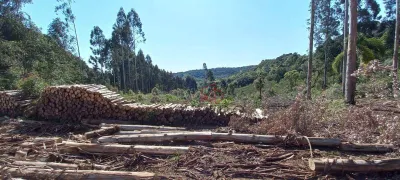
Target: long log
(46,164)
(349,165)
(147,132)
(124,149)
(189,136)
(81,166)
(74,174)
(344,146)
(124,127)
(102,132)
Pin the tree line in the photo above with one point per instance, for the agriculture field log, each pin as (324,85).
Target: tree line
(55,57)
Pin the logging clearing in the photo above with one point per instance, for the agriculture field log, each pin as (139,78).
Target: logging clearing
(93,133)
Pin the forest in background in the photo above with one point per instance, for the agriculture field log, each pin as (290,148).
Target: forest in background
(32,60)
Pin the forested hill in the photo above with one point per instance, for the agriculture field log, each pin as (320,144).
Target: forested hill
(32,60)
(222,72)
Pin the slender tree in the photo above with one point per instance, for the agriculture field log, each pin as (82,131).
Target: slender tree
(137,37)
(345,36)
(66,8)
(310,50)
(149,62)
(98,43)
(351,55)
(396,51)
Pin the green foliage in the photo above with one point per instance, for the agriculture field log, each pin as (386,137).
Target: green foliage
(225,102)
(31,85)
(337,62)
(155,91)
(292,77)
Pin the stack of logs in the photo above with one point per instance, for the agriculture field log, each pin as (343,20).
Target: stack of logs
(13,103)
(78,102)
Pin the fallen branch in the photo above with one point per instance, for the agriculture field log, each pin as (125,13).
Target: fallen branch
(123,149)
(349,165)
(101,132)
(124,127)
(74,174)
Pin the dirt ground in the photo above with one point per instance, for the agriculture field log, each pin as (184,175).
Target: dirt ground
(205,160)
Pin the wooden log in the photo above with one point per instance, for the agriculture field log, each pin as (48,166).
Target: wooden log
(46,164)
(125,149)
(380,148)
(39,173)
(102,132)
(124,127)
(209,136)
(52,140)
(147,132)
(106,121)
(349,165)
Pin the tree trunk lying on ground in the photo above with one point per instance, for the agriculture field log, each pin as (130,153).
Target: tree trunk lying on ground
(82,166)
(188,136)
(366,147)
(122,149)
(124,127)
(37,173)
(147,132)
(243,138)
(349,165)
(101,132)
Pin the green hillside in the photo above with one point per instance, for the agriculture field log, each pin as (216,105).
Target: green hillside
(218,72)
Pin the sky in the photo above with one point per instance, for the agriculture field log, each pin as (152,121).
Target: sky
(183,34)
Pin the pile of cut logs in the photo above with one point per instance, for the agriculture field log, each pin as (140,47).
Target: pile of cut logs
(78,102)
(13,103)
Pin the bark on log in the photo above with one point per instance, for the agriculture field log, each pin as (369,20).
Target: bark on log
(74,174)
(188,136)
(102,132)
(46,164)
(366,147)
(124,149)
(124,127)
(349,165)
(147,132)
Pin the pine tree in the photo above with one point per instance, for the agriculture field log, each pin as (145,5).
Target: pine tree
(351,55)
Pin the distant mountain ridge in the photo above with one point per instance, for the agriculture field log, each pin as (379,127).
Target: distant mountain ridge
(221,72)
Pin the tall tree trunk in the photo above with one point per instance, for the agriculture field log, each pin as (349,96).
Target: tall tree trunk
(141,75)
(396,51)
(327,26)
(345,36)
(310,51)
(76,34)
(351,55)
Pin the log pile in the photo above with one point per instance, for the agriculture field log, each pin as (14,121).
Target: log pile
(77,102)
(13,103)
(81,102)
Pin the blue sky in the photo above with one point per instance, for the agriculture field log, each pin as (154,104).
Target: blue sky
(183,34)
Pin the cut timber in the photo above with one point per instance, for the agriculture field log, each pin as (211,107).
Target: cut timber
(46,164)
(366,147)
(41,140)
(349,165)
(102,132)
(189,136)
(124,127)
(106,121)
(147,132)
(74,174)
(123,149)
